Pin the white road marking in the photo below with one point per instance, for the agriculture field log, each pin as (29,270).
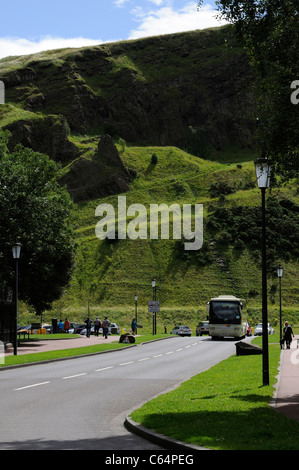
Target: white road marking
(74,376)
(31,386)
(104,368)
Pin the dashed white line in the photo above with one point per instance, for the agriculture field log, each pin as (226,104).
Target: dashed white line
(105,368)
(74,376)
(31,386)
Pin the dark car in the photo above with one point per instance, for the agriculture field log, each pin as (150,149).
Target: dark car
(79,328)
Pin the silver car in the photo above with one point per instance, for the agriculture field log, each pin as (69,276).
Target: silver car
(258,331)
(181,330)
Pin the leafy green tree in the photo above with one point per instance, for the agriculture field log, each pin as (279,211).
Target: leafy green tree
(34,210)
(269,31)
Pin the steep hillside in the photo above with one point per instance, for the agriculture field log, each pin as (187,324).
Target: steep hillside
(182,89)
(179,112)
(109,273)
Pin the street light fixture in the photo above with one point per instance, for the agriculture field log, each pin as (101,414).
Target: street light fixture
(154,313)
(279,274)
(16,252)
(263,172)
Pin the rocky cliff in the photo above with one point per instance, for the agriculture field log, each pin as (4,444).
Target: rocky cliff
(148,91)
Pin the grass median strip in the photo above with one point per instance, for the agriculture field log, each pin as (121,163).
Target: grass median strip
(224,408)
(67,353)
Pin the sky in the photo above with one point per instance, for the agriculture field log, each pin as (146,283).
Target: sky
(30,26)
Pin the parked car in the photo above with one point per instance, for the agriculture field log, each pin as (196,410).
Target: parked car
(79,328)
(202,328)
(73,327)
(114,329)
(181,330)
(48,328)
(258,331)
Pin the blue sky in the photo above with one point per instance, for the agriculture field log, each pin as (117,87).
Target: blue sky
(29,26)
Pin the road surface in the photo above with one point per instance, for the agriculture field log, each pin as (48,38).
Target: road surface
(82,403)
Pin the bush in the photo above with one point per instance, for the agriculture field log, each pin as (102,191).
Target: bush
(154,159)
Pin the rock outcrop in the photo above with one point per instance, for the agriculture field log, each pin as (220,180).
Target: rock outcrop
(46,135)
(104,175)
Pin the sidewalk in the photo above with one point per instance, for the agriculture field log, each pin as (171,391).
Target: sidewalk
(30,347)
(287,397)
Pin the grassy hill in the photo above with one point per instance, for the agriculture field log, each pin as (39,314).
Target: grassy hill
(186,98)
(108,274)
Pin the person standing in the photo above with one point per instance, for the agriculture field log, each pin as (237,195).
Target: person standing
(105,326)
(97,325)
(66,325)
(134,326)
(88,326)
(288,334)
(60,326)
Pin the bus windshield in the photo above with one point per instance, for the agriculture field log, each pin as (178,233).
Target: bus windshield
(225,312)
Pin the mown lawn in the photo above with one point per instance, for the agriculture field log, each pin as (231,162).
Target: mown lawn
(224,408)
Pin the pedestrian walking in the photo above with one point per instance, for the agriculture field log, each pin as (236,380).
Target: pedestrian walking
(134,326)
(105,326)
(97,325)
(288,334)
(88,326)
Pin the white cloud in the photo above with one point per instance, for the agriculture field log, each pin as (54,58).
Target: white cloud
(166,20)
(18,46)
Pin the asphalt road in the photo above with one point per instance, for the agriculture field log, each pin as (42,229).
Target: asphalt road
(82,403)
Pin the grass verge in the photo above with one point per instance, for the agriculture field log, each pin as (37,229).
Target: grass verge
(71,352)
(224,408)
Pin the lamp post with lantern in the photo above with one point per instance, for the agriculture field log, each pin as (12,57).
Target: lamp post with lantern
(263,171)
(16,251)
(154,313)
(279,274)
(136,300)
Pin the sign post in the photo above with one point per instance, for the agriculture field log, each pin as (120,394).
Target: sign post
(154,307)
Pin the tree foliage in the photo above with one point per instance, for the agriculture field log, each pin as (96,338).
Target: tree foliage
(240,226)
(34,210)
(269,31)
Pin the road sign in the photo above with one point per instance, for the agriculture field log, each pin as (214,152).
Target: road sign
(154,306)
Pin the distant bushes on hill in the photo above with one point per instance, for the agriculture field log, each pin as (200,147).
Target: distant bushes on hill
(241,226)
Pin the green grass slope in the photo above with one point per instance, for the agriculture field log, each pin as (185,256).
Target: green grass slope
(108,274)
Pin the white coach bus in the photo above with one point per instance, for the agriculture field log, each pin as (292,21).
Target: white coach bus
(227,317)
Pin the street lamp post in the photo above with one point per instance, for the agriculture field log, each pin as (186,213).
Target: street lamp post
(263,170)
(16,251)
(154,298)
(279,274)
(136,300)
